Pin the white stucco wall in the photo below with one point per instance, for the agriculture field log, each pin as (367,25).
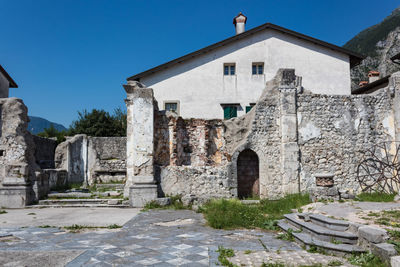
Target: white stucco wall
(4,86)
(200,86)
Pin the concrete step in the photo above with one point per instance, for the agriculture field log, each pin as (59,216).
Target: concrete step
(75,201)
(309,241)
(321,220)
(320,232)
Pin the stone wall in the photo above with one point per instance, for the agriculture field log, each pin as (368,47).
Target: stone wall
(19,172)
(107,159)
(92,160)
(299,142)
(44,151)
(334,134)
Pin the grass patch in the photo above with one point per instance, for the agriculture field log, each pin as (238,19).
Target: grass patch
(3,212)
(335,263)
(47,226)
(225,253)
(376,197)
(272,264)
(231,213)
(386,217)
(31,213)
(366,260)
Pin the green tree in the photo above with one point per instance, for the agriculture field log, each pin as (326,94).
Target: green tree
(53,132)
(99,123)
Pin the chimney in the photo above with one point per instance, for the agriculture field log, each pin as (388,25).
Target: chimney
(239,21)
(373,76)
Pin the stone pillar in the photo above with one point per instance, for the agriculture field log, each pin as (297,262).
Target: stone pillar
(140,184)
(288,126)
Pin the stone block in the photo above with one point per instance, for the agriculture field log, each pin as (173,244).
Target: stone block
(384,250)
(15,197)
(112,202)
(140,194)
(395,261)
(163,201)
(372,234)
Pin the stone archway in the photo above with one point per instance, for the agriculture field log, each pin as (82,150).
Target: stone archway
(248,174)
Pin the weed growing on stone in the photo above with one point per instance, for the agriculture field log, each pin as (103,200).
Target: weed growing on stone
(366,260)
(288,235)
(248,252)
(31,213)
(225,253)
(394,239)
(335,263)
(47,226)
(3,212)
(175,204)
(114,226)
(315,249)
(272,264)
(76,228)
(387,217)
(376,197)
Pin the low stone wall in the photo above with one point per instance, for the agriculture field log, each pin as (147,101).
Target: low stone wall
(44,151)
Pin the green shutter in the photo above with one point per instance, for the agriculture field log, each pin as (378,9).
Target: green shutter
(248,108)
(227,111)
(233,112)
(230,112)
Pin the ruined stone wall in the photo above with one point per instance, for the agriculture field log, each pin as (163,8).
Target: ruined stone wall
(190,156)
(106,159)
(334,135)
(44,151)
(92,159)
(18,170)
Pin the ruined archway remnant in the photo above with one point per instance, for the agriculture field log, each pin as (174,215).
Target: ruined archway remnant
(248,174)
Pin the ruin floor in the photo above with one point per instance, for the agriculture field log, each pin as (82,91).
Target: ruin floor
(153,238)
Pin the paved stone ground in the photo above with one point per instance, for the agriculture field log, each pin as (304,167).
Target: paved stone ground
(154,238)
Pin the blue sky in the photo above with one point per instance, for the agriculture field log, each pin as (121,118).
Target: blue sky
(67,56)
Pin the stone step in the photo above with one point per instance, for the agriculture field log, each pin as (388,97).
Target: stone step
(116,186)
(320,232)
(75,201)
(78,206)
(67,195)
(309,241)
(321,220)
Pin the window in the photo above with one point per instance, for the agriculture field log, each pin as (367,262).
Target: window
(257,68)
(229,69)
(230,112)
(172,106)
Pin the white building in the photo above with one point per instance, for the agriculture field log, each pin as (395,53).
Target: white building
(225,79)
(6,82)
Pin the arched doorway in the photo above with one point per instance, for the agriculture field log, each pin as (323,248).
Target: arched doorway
(248,174)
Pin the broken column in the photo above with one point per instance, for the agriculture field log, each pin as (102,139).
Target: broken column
(140,184)
(288,124)
(17,161)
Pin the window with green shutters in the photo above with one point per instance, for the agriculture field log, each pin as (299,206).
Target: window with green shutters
(230,112)
(248,108)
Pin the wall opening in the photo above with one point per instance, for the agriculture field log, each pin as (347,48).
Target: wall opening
(248,174)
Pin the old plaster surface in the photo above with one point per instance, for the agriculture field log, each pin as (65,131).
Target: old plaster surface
(156,238)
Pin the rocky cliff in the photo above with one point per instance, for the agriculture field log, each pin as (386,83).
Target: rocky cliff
(378,43)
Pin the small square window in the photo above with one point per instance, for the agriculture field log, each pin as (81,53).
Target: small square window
(229,69)
(230,111)
(172,106)
(257,68)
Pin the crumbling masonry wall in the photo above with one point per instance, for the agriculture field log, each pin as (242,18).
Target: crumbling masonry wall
(304,142)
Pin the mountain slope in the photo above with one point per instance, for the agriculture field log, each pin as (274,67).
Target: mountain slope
(379,43)
(37,125)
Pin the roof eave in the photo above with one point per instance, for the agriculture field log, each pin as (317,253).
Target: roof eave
(355,58)
(12,83)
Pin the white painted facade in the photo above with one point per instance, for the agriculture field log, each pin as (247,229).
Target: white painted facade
(200,86)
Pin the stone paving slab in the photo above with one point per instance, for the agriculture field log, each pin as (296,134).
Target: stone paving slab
(286,257)
(154,238)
